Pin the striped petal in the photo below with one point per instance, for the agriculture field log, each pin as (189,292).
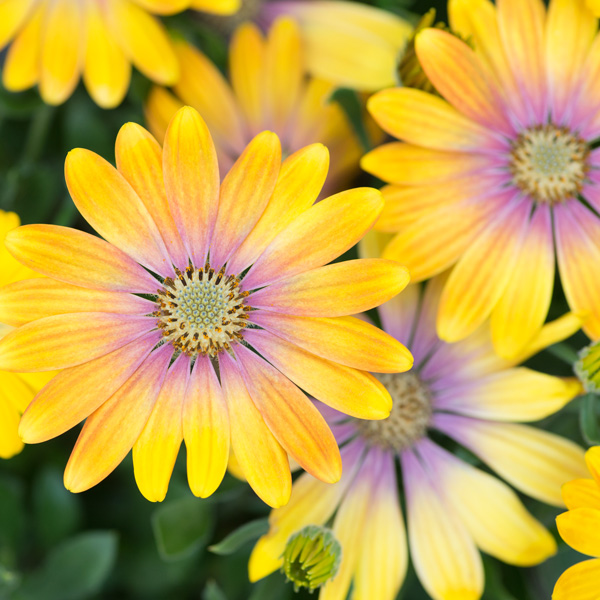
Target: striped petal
(317,236)
(335,290)
(191,173)
(579,582)
(112,430)
(580,528)
(139,160)
(24,301)
(77,392)
(63,341)
(205,430)
(581,493)
(245,192)
(350,391)
(292,418)
(156,450)
(345,340)
(111,206)
(78,258)
(262,460)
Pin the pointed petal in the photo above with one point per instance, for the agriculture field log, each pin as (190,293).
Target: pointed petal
(581,493)
(579,582)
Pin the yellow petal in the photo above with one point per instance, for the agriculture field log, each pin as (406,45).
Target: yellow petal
(345,340)
(155,451)
(111,206)
(77,392)
(159,109)
(245,192)
(78,258)
(292,418)
(13,14)
(580,528)
(592,460)
(191,175)
(581,493)
(62,50)
(10,442)
(110,432)
(350,391)
(164,7)
(219,7)
(317,236)
(205,430)
(579,582)
(262,460)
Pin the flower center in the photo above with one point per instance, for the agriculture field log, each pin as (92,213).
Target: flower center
(549,163)
(410,415)
(202,312)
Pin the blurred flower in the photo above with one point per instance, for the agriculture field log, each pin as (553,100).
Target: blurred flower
(190,269)
(16,389)
(594,6)
(587,368)
(580,528)
(268,90)
(347,43)
(54,43)
(490,181)
(471,398)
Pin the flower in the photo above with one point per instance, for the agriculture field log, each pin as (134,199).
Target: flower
(580,528)
(587,368)
(348,43)
(195,275)
(500,173)
(475,402)
(16,389)
(55,43)
(594,6)
(268,90)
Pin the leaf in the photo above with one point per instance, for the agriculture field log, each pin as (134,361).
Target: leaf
(213,592)
(12,514)
(236,539)
(588,419)
(75,570)
(181,527)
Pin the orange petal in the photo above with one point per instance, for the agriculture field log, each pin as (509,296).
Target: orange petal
(159,109)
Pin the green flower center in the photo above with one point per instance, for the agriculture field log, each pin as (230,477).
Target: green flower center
(202,312)
(549,163)
(410,416)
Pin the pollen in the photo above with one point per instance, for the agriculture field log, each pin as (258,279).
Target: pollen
(410,415)
(549,163)
(202,311)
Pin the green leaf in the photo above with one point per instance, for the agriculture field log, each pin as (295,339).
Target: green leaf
(181,527)
(351,105)
(12,515)
(75,570)
(588,419)
(235,540)
(213,592)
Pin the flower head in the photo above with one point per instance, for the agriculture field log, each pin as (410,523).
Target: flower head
(500,174)
(267,89)
(580,528)
(201,313)
(56,43)
(457,395)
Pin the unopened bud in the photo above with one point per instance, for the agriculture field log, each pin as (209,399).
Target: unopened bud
(587,368)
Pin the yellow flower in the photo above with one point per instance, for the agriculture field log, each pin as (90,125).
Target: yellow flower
(347,43)
(580,528)
(268,90)
(196,277)
(461,392)
(490,178)
(55,42)
(594,6)
(16,389)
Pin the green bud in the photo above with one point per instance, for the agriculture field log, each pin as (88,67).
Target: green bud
(311,557)
(587,368)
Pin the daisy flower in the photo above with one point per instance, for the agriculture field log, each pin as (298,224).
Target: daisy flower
(499,173)
(580,528)
(55,43)
(458,396)
(268,90)
(167,329)
(16,389)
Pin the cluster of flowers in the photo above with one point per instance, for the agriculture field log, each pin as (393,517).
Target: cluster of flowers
(209,307)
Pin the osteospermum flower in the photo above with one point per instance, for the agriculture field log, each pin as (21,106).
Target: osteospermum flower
(500,173)
(55,43)
(268,90)
(203,309)
(580,528)
(16,389)
(471,398)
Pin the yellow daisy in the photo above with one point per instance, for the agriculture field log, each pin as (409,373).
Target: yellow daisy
(268,90)
(164,328)
(580,528)
(16,389)
(499,174)
(55,42)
